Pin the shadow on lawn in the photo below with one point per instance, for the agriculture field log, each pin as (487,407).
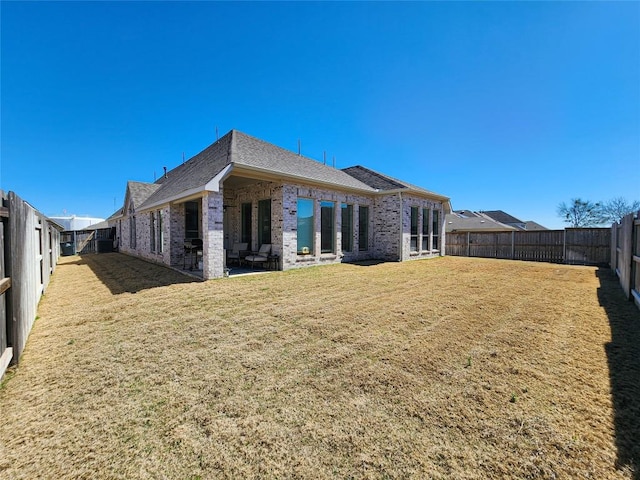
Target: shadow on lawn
(122,273)
(623,355)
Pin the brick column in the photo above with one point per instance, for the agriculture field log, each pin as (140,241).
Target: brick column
(212,235)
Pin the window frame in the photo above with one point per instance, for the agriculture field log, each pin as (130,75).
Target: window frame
(160,233)
(346,227)
(246,223)
(327,237)
(435,230)
(152,231)
(363,228)
(264,222)
(413,229)
(190,214)
(426,225)
(310,225)
(132,231)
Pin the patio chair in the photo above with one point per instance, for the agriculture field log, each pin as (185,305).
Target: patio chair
(191,248)
(262,256)
(236,254)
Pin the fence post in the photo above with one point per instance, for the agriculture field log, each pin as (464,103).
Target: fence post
(564,246)
(614,250)
(513,244)
(468,244)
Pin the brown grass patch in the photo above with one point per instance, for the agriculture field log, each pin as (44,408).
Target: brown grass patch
(446,368)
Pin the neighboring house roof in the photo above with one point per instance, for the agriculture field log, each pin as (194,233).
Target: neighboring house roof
(55,224)
(490,220)
(243,153)
(466,213)
(531,225)
(501,216)
(98,226)
(459,222)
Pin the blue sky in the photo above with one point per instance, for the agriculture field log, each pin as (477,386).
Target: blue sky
(500,105)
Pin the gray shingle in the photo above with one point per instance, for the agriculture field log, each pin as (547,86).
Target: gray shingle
(240,149)
(256,153)
(194,173)
(139,192)
(501,216)
(243,150)
(456,223)
(373,179)
(385,182)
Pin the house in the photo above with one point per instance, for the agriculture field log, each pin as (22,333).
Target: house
(486,221)
(242,189)
(468,221)
(74,222)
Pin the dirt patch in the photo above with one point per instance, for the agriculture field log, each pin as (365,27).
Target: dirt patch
(446,368)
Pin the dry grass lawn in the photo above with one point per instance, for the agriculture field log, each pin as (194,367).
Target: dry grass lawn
(445,368)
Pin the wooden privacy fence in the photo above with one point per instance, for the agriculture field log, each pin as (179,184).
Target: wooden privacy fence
(576,246)
(625,255)
(30,250)
(88,241)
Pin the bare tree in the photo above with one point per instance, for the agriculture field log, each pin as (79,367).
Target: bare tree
(580,213)
(616,208)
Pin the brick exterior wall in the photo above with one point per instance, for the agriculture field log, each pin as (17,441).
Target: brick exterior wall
(409,201)
(143,236)
(290,258)
(212,232)
(177,234)
(389,226)
(234,198)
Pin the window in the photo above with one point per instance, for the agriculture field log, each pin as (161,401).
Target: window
(132,231)
(305,225)
(264,221)
(363,228)
(435,230)
(152,231)
(347,227)
(160,235)
(327,233)
(245,221)
(191,220)
(414,229)
(425,229)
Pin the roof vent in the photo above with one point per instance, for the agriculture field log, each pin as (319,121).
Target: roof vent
(165,172)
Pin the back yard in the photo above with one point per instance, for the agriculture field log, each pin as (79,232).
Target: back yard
(447,368)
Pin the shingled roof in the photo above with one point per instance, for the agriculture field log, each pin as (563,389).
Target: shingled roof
(373,179)
(139,192)
(457,222)
(382,182)
(239,149)
(244,152)
(501,216)
(252,152)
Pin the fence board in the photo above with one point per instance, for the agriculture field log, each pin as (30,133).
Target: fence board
(3,312)
(31,250)
(635,266)
(576,246)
